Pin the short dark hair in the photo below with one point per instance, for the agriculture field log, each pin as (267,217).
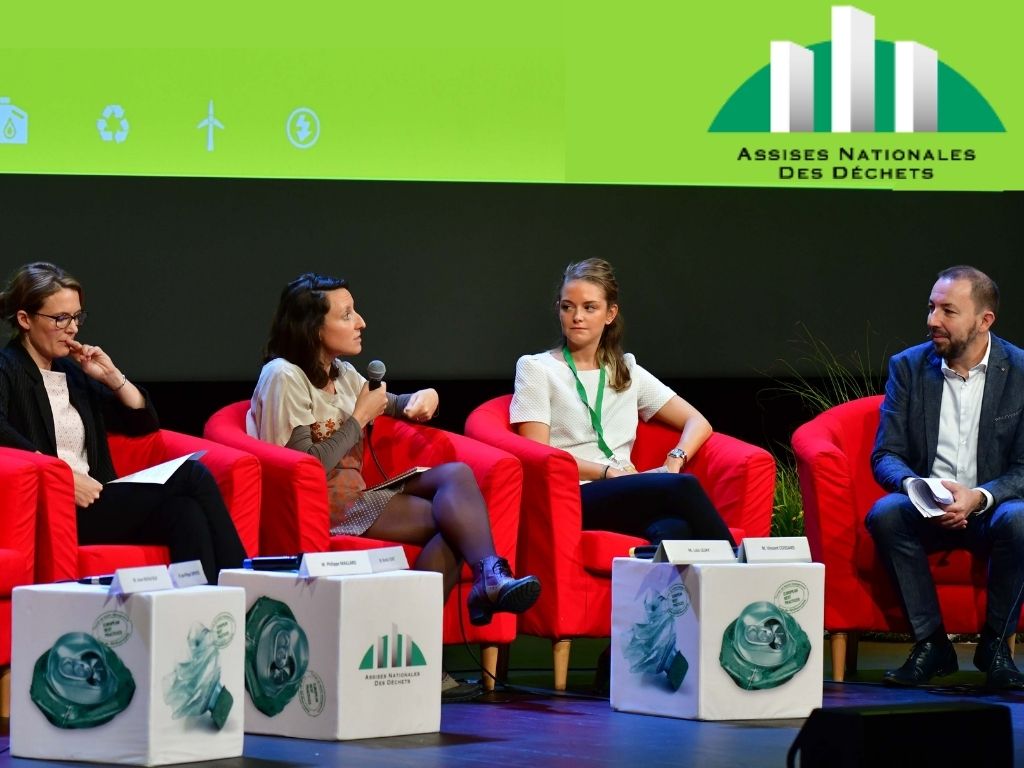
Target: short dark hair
(984,290)
(29,288)
(295,329)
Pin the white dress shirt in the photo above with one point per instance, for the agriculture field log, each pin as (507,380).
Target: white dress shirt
(956,453)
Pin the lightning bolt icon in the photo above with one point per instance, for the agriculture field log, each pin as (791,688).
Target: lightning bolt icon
(302,128)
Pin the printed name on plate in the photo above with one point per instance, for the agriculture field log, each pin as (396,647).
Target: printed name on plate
(782,549)
(150,578)
(684,552)
(316,564)
(187,574)
(388,559)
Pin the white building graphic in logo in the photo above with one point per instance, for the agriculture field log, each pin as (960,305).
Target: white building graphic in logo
(393,651)
(916,80)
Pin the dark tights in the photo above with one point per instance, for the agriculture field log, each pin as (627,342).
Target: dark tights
(654,506)
(442,510)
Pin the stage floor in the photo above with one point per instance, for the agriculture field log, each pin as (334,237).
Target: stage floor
(540,729)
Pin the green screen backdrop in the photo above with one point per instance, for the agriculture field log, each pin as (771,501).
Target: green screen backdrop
(467,91)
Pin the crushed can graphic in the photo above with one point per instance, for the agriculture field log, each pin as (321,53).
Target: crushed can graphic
(651,644)
(194,687)
(80,683)
(764,647)
(276,655)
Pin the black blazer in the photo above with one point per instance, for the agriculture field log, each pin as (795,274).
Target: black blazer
(26,419)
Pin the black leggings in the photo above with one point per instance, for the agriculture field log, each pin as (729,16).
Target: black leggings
(186,514)
(655,506)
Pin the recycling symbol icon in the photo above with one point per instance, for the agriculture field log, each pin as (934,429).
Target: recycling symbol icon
(112,124)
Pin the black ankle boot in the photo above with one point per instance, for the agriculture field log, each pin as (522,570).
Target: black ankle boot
(496,589)
(993,657)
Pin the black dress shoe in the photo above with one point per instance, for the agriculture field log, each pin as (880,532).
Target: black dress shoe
(992,657)
(927,659)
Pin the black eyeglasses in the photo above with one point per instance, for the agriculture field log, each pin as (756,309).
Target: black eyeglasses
(63,320)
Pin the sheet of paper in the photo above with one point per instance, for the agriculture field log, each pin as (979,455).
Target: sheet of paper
(161,473)
(927,493)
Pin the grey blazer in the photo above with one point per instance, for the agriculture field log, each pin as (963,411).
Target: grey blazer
(909,428)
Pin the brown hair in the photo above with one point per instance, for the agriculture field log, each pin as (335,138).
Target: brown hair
(609,349)
(984,291)
(295,329)
(29,288)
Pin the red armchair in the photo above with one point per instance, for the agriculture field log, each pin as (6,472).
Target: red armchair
(58,555)
(833,453)
(19,487)
(574,565)
(295,511)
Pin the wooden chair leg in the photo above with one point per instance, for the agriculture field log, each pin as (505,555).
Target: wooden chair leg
(560,652)
(489,660)
(5,692)
(838,655)
(504,656)
(852,647)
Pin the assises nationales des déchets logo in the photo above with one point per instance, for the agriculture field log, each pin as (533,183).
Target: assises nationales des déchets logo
(856,83)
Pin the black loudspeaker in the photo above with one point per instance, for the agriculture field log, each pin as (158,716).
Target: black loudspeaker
(935,735)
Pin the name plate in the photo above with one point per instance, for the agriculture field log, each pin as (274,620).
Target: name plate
(783,549)
(317,564)
(187,574)
(150,578)
(387,559)
(685,552)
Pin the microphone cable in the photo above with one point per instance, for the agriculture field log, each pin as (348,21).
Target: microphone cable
(373,453)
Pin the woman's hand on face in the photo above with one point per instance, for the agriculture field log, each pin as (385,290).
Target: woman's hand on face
(371,403)
(422,405)
(95,363)
(87,490)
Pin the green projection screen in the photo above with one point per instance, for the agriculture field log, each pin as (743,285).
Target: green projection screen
(186,159)
(559,91)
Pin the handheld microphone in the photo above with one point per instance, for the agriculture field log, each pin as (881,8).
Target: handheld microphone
(375,373)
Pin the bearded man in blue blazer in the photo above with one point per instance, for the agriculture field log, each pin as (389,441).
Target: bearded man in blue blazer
(954,409)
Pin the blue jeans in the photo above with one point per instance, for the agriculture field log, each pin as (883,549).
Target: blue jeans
(904,538)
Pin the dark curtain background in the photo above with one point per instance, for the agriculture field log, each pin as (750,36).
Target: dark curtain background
(456,280)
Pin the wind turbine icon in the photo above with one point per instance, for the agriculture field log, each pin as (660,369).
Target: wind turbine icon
(209,124)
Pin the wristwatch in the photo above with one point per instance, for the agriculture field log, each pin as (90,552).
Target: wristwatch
(983,507)
(678,453)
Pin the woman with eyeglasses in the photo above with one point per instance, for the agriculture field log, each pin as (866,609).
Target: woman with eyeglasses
(60,397)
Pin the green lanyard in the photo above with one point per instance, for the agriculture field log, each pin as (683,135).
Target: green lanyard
(595,413)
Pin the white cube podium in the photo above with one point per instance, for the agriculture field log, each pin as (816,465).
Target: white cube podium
(147,679)
(729,641)
(341,657)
